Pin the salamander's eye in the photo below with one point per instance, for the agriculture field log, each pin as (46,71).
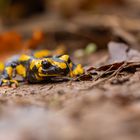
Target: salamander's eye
(45,64)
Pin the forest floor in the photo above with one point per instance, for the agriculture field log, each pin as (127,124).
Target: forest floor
(103,109)
(72,110)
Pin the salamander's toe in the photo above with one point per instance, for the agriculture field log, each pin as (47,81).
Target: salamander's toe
(5,82)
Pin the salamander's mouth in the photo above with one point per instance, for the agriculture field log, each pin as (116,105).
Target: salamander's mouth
(45,73)
(48,75)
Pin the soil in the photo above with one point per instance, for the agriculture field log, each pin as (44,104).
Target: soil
(72,110)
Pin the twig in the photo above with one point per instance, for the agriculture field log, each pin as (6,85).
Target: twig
(116,72)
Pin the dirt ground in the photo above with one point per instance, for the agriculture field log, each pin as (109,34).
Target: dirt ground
(72,110)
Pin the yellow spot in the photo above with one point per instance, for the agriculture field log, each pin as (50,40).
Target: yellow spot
(24,57)
(32,64)
(21,70)
(9,71)
(61,65)
(70,65)
(42,53)
(38,78)
(14,82)
(64,57)
(1,67)
(36,63)
(5,81)
(78,70)
(71,72)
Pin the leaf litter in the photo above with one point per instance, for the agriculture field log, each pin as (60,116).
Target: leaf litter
(122,60)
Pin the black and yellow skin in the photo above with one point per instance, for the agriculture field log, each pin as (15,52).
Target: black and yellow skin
(36,70)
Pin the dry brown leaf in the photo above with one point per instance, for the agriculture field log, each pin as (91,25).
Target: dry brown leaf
(119,52)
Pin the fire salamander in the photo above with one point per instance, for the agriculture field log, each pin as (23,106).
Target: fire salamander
(38,69)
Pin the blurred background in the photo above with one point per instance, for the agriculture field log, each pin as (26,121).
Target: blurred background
(74,23)
(12,10)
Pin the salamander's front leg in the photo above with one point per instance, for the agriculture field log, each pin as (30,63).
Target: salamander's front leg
(75,70)
(6,82)
(7,74)
(6,77)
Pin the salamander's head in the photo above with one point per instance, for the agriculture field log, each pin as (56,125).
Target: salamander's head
(43,67)
(40,67)
(47,68)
